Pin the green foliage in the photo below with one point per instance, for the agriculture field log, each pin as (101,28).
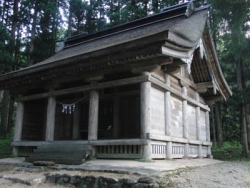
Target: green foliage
(229,151)
(5,145)
(5,55)
(84,186)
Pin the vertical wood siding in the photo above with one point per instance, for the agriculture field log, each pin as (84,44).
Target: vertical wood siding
(203,125)
(191,122)
(176,118)
(157,112)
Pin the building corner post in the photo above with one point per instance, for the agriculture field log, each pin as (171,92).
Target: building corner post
(145,117)
(18,126)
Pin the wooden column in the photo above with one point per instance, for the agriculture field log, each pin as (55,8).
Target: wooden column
(168,117)
(197,111)
(184,114)
(167,108)
(19,122)
(50,123)
(169,150)
(209,154)
(198,127)
(76,122)
(93,115)
(185,121)
(207,127)
(145,117)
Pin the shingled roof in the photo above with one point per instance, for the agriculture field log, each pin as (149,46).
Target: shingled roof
(174,32)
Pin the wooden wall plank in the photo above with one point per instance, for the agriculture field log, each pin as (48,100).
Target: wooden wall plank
(203,125)
(176,118)
(157,111)
(191,122)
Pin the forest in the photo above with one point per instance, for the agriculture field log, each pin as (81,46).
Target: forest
(30,30)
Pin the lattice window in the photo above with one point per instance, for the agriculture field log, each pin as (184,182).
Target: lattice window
(105,119)
(84,120)
(84,116)
(24,151)
(119,149)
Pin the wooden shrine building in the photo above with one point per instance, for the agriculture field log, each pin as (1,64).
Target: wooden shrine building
(140,90)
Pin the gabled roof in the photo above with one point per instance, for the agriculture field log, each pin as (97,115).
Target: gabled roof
(174,32)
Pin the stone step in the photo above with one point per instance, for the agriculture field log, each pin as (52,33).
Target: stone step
(71,161)
(60,153)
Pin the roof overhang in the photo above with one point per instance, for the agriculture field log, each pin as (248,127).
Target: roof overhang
(167,34)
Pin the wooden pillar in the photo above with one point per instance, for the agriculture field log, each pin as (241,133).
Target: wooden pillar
(197,111)
(145,117)
(168,117)
(76,122)
(198,127)
(18,126)
(19,122)
(93,115)
(185,122)
(209,153)
(184,114)
(93,118)
(169,150)
(50,123)
(207,126)
(167,108)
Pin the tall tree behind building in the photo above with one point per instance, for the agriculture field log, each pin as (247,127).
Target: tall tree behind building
(231,26)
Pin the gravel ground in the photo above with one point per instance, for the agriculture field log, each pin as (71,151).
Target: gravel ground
(222,175)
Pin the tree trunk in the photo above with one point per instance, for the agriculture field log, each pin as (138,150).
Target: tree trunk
(6,96)
(4,113)
(213,125)
(33,34)
(219,125)
(242,106)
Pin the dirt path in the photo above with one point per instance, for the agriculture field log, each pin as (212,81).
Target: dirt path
(223,175)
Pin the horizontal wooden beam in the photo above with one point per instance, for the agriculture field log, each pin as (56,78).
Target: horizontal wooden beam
(166,138)
(114,141)
(183,79)
(214,99)
(84,142)
(118,142)
(159,137)
(116,83)
(39,143)
(176,93)
(202,87)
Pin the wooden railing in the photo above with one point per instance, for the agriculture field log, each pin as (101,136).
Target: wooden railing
(119,151)
(193,150)
(158,150)
(178,151)
(24,151)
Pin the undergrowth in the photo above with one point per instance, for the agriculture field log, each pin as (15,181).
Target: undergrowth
(229,151)
(5,145)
